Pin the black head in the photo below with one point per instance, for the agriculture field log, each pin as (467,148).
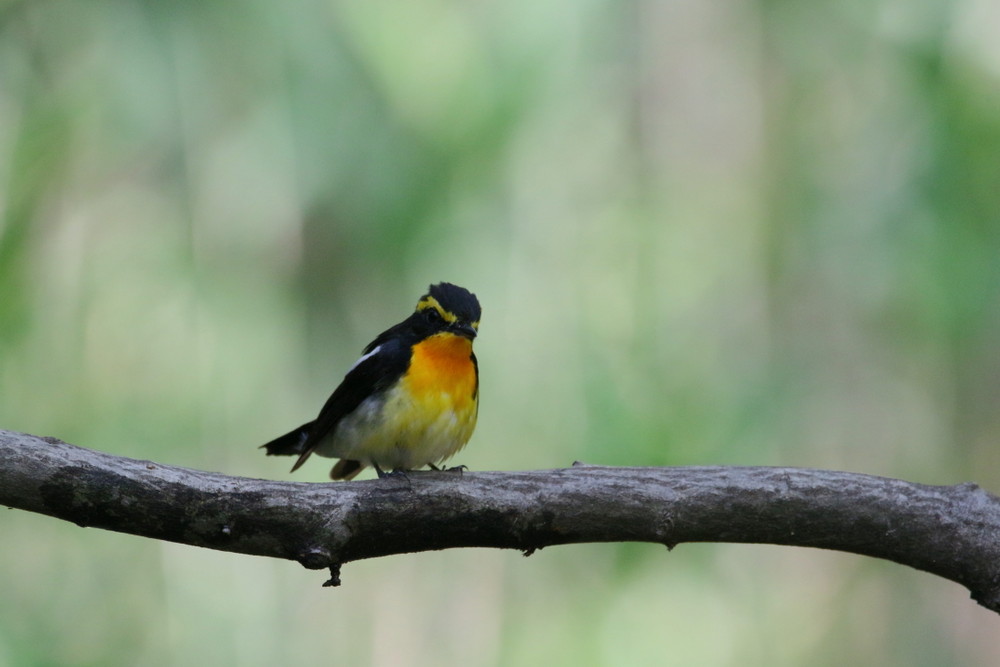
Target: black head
(449,307)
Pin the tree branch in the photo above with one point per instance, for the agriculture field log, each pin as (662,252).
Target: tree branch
(950,531)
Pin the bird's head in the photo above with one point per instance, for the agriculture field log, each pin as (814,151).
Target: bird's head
(449,308)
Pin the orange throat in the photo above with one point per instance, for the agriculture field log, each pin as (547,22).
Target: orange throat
(442,365)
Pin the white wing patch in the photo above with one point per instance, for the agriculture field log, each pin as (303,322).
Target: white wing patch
(365,356)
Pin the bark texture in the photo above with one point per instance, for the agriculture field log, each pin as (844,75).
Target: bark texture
(950,531)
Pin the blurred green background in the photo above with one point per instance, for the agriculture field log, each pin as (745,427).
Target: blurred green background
(762,233)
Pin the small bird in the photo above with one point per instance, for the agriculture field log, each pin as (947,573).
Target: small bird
(411,400)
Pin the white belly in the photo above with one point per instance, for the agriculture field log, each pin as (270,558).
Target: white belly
(394,431)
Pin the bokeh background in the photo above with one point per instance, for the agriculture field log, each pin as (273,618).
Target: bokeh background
(703,232)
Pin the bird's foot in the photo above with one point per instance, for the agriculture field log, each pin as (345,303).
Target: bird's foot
(458,469)
(397,473)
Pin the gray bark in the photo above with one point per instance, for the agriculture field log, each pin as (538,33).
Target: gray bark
(950,531)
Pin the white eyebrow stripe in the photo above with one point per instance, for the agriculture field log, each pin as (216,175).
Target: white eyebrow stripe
(363,357)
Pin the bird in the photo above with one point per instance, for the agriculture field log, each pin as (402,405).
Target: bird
(411,400)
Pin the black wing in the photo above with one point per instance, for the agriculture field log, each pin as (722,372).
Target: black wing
(400,332)
(371,375)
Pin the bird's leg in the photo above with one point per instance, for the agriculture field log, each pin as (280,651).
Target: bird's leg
(396,472)
(458,468)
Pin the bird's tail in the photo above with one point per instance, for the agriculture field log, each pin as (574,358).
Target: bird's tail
(346,469)
(292,443)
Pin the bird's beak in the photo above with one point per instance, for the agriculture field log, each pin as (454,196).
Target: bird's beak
(464,330)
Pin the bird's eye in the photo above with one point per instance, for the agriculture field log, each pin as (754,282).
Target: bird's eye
(433,315)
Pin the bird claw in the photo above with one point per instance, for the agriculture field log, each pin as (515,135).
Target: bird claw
(458,468)
(397,473)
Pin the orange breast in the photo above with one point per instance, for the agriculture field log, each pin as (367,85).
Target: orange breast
(442,366)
